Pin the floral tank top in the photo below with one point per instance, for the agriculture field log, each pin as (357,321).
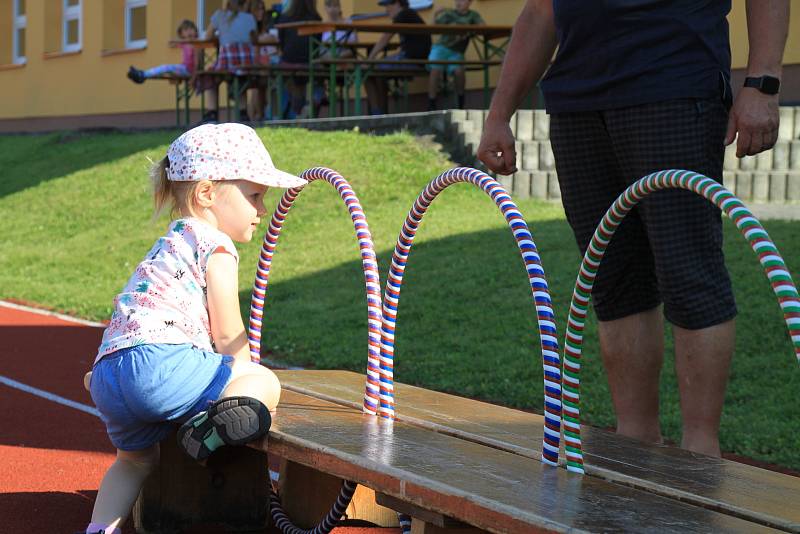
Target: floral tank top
(164,301)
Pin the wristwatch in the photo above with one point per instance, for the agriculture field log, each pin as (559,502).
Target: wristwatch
(769,85)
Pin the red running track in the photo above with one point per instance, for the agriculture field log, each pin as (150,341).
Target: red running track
(53,453)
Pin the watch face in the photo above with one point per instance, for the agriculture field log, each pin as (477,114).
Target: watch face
(770,85)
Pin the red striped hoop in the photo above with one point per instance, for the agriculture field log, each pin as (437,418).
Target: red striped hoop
(541,297)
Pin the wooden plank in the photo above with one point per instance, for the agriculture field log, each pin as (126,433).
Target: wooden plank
(485,30)
(731,487)
(484,487)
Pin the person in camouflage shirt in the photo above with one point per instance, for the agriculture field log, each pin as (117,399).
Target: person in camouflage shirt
(451,48)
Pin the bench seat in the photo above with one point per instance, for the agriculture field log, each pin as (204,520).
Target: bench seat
(737,489)
(482,486)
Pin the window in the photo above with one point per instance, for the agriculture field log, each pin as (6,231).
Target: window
(206,8)
(135,23)
(18,37)
(71,26)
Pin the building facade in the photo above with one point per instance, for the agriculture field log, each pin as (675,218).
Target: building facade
(63,62)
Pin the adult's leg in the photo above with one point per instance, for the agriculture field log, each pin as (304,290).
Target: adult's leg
(377,95)
(632,349)
(702,360)
(121,486)
(685,234)
(212,98)
(372,94)
(625,296)
(459,78)
(434,81)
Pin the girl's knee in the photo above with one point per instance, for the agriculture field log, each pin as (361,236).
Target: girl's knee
(240,369)
(254,380)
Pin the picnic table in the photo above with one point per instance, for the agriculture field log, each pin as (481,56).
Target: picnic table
(489,42)
(483,36)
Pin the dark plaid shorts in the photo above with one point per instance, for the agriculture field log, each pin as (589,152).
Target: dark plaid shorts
(230,57)
(669,248)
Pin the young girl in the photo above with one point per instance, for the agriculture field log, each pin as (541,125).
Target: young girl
(175,350)
(186,31)
(236,30)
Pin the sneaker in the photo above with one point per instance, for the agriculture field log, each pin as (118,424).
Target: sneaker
(135,75)
(229,421)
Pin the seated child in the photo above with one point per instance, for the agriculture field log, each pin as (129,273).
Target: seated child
(176,351)
(451,48)
(189,64)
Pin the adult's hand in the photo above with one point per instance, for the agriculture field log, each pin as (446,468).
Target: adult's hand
(496,149)
(753,121)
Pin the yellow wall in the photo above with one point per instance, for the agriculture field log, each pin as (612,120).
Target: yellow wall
(738,25)
(93,80)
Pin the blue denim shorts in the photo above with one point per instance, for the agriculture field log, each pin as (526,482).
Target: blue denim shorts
(142,392)
(442,53)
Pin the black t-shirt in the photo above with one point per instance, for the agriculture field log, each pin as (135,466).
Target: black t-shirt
(619,53)
(414,45)
(294,49)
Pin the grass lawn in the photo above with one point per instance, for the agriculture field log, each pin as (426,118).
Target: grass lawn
(75,216)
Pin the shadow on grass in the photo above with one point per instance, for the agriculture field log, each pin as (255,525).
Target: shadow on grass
(467,325)
(76,150)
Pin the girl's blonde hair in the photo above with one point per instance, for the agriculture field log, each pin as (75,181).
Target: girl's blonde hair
(178,197)
(175,196)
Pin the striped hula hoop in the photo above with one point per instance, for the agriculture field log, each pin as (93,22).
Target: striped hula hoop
(536,276)
(368,262)
(372,281)
(748,225)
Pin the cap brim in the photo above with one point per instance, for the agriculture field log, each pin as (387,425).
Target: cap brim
(278,178)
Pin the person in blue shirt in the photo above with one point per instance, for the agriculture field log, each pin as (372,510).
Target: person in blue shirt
(639,86)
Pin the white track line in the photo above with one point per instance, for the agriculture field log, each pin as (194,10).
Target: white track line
(61,316)
(14,306)
(49,396)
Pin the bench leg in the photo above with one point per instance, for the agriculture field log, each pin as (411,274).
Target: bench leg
(307,495)
(232,491)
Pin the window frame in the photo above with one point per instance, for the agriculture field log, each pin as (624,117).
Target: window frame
(20,22)
(70,13)
(201,17)
(130,5)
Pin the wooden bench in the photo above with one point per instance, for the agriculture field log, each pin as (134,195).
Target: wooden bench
(452,462)
(734,488)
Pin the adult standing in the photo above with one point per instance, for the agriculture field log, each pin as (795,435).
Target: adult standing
(639,86)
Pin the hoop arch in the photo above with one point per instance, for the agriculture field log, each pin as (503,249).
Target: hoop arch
(368,262)
(372,283)
(541,297)
(748,225)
